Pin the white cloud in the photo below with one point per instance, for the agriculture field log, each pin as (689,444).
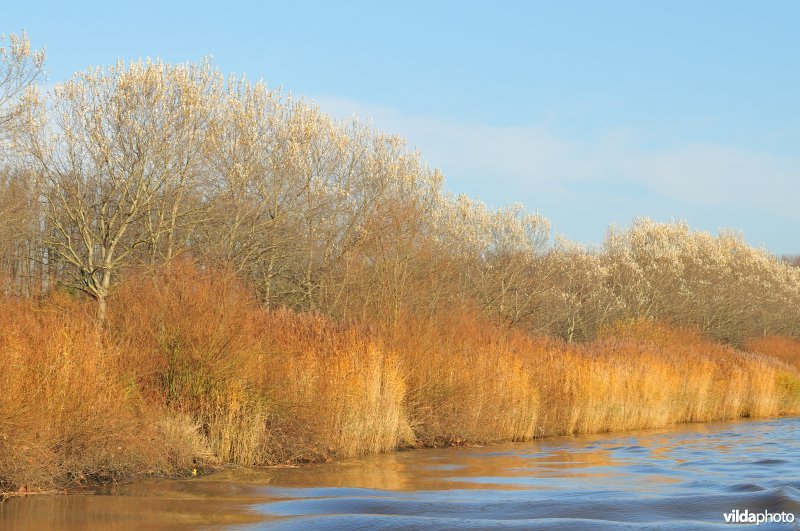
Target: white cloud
(526,160)
(714,174)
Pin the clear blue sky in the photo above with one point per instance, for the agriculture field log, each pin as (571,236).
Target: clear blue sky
(589,112)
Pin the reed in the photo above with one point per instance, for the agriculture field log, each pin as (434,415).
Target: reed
(466,382)
(642,374)
(189,371)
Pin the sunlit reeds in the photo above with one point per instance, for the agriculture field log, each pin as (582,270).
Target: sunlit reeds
(190,372)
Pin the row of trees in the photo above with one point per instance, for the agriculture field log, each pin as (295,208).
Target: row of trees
(140,163)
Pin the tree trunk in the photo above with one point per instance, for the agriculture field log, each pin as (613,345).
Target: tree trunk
(101,309)
(102,294)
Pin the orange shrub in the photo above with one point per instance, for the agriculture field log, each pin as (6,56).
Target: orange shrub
(264,386)
(68,413)
(781,347)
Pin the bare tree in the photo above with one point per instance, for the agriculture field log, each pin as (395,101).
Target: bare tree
(20,69)
(113,158)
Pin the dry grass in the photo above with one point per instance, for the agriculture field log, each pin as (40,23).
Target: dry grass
(189,371)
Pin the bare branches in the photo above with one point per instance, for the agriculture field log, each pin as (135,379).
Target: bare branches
(141,162)
(21,68)
(116,160)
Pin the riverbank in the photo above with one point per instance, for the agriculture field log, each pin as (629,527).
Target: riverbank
(190,373)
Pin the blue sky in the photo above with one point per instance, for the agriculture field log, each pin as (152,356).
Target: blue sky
(589,112)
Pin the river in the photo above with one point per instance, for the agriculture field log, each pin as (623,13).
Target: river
(687,477)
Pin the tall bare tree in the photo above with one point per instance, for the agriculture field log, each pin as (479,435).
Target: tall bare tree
(21,68)
(113,157)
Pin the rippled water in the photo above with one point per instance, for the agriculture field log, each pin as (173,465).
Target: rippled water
(681,478)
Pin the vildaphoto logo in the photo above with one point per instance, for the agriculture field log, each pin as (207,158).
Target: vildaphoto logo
(765,517)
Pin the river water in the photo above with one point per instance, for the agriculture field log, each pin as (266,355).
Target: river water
(686,477)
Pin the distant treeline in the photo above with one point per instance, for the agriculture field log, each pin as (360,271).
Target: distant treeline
(137,164)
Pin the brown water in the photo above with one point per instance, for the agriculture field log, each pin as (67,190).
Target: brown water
(681,478)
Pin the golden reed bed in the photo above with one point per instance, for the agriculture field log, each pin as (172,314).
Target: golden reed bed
(189,372)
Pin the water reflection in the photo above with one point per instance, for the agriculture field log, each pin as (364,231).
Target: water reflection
(679,478)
